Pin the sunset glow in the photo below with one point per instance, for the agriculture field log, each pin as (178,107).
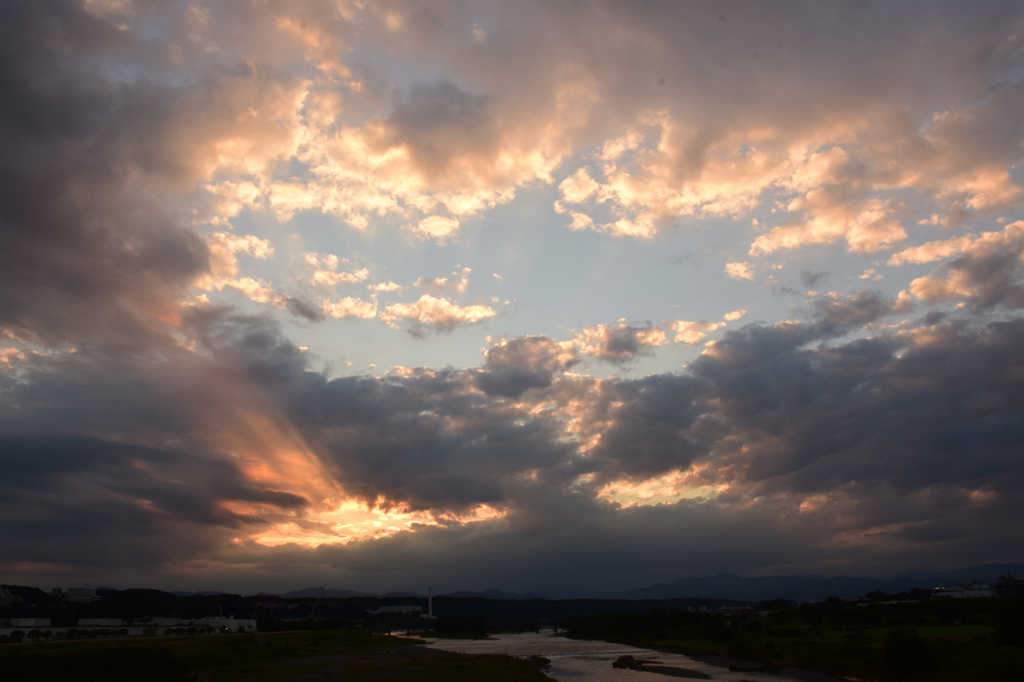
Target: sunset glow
(482,294)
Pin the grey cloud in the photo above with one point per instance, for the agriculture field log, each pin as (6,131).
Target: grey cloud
(440,122)
(304,309)
(620,343)
(894,434)
(844,313)
(70,139)
(989,274)
(520,364)
(874,410)
(100,169)
(810,278)
(104,502)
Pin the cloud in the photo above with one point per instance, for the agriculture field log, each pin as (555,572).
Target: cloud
(867,226)
(385,286)
(870,274)
(810,279)
(350,307)
(149,434)
(987,274)
(734,315)
(693,332)
(761,426)
(435,314)
(739,271)
(438,227)
(619,343)
(517,365)
(932,251)
(443,284)
(325,271)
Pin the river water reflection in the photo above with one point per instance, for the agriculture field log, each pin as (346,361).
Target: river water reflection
(578,661)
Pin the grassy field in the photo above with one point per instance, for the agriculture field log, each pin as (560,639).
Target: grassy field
(297,656)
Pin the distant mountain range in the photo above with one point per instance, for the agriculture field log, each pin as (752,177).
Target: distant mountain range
(728,586)
(797,587)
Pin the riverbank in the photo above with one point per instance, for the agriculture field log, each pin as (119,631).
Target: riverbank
(597,660)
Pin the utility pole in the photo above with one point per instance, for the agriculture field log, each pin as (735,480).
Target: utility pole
(323,588)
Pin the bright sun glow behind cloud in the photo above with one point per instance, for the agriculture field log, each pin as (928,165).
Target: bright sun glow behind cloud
(354,521)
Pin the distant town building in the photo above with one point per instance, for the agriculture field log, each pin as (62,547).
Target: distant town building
(1009,587)
(969,590)
(57,593)
(81,594)
(396,609)
(100,622)
(89,628)
(229,624)
(7,598)
(24,622)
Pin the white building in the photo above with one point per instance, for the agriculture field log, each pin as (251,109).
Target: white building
(964,591)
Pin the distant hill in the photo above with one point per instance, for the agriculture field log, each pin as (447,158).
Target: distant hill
(182,593)
(796,587)
(312,592)
(725,586)
(496,594)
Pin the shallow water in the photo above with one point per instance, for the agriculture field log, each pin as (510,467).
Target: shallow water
(578,661)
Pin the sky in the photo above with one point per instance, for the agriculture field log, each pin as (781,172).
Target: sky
(383,295)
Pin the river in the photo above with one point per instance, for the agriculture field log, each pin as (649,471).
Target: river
(574,660)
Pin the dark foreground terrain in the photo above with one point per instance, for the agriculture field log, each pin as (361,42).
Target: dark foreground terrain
(342,655)
(939,640)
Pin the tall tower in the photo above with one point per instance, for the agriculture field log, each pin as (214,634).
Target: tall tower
(430,602)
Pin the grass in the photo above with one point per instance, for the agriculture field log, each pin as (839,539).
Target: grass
(342,654)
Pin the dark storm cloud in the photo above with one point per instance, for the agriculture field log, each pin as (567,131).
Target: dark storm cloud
(104,502)
(911,415)
(897,438)
(80,252)
(118,459)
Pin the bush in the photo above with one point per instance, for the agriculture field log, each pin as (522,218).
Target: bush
(905,651)
(743,646)
(1009,624)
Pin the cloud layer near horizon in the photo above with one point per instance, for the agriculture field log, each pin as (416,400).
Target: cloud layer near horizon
(159,416)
